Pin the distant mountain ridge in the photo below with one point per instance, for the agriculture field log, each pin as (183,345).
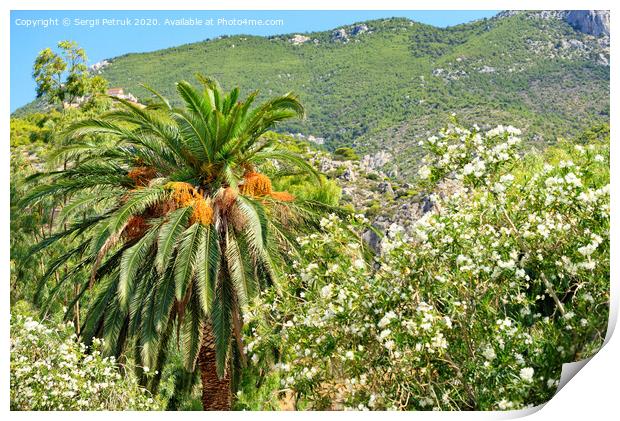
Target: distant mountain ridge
(592,22)
(381,85)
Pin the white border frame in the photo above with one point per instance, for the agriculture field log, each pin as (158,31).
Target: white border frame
(592,394)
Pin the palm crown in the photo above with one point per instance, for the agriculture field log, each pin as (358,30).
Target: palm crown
(182,230)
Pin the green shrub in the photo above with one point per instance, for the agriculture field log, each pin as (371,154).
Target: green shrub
(28,130)
(52,370)
(346,154)
(478,310)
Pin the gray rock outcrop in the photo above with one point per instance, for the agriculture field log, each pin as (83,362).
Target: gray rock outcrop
(375,161)
(385,188)
(348,175)
(359,29)
(373,240)
(592,22)
(340,35)
(299,39)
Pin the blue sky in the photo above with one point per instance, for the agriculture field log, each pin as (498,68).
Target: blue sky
(102,42)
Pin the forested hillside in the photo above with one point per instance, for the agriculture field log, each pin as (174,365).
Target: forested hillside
(384,84)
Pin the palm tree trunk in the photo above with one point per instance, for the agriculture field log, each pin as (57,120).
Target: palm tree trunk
(216,392)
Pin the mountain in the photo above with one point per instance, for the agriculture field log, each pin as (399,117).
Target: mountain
(382,85)
(593,22)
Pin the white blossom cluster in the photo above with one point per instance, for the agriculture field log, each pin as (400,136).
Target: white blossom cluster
(505,282)
(51,370)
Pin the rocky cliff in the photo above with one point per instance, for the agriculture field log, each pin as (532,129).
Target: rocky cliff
(592,22)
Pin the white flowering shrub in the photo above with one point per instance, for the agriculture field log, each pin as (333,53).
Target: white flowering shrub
(51,370)
(503,282)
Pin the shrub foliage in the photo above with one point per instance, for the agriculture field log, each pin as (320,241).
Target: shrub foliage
(505,280)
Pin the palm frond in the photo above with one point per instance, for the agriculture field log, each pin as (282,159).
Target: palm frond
(165,297)
(161,98)
(74,230)
(133,259)
(194,102)
(287,158)
(221,315)
(191,334)
(55,265)
(243,284)
(169,236)
(185,261)
(207,262)
(137,202)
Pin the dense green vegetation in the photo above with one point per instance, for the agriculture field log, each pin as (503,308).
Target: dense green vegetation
(382,89)
(63,77)
(176,190)
(32,129)
(507,281)
(478,310)
(184,255)
(50,370)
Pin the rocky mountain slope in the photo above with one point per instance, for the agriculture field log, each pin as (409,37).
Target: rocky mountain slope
(380,86)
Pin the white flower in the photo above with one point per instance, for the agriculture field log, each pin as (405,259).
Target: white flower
(384,334)
(326,291)
(508,178)
(513,130)
(424,172)
(312,266)
(489,353)
(587,250)
(30,324)
(527,374)
(504,323)
(543,230)
(571,178)
(389,345)
(588,265)
(505,404)
(349,355)
(386,319)
(519,359)
(499,188)
(445,398)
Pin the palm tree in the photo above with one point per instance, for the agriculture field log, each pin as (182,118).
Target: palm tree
(177,226)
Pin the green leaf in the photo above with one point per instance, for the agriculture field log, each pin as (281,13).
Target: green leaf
(191,334)
(207,263)
(221,316)
(186,259)
(165,297)
(169,236)
(139,201)
(149,333)
(287,157)
(133,260)
(243,284)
